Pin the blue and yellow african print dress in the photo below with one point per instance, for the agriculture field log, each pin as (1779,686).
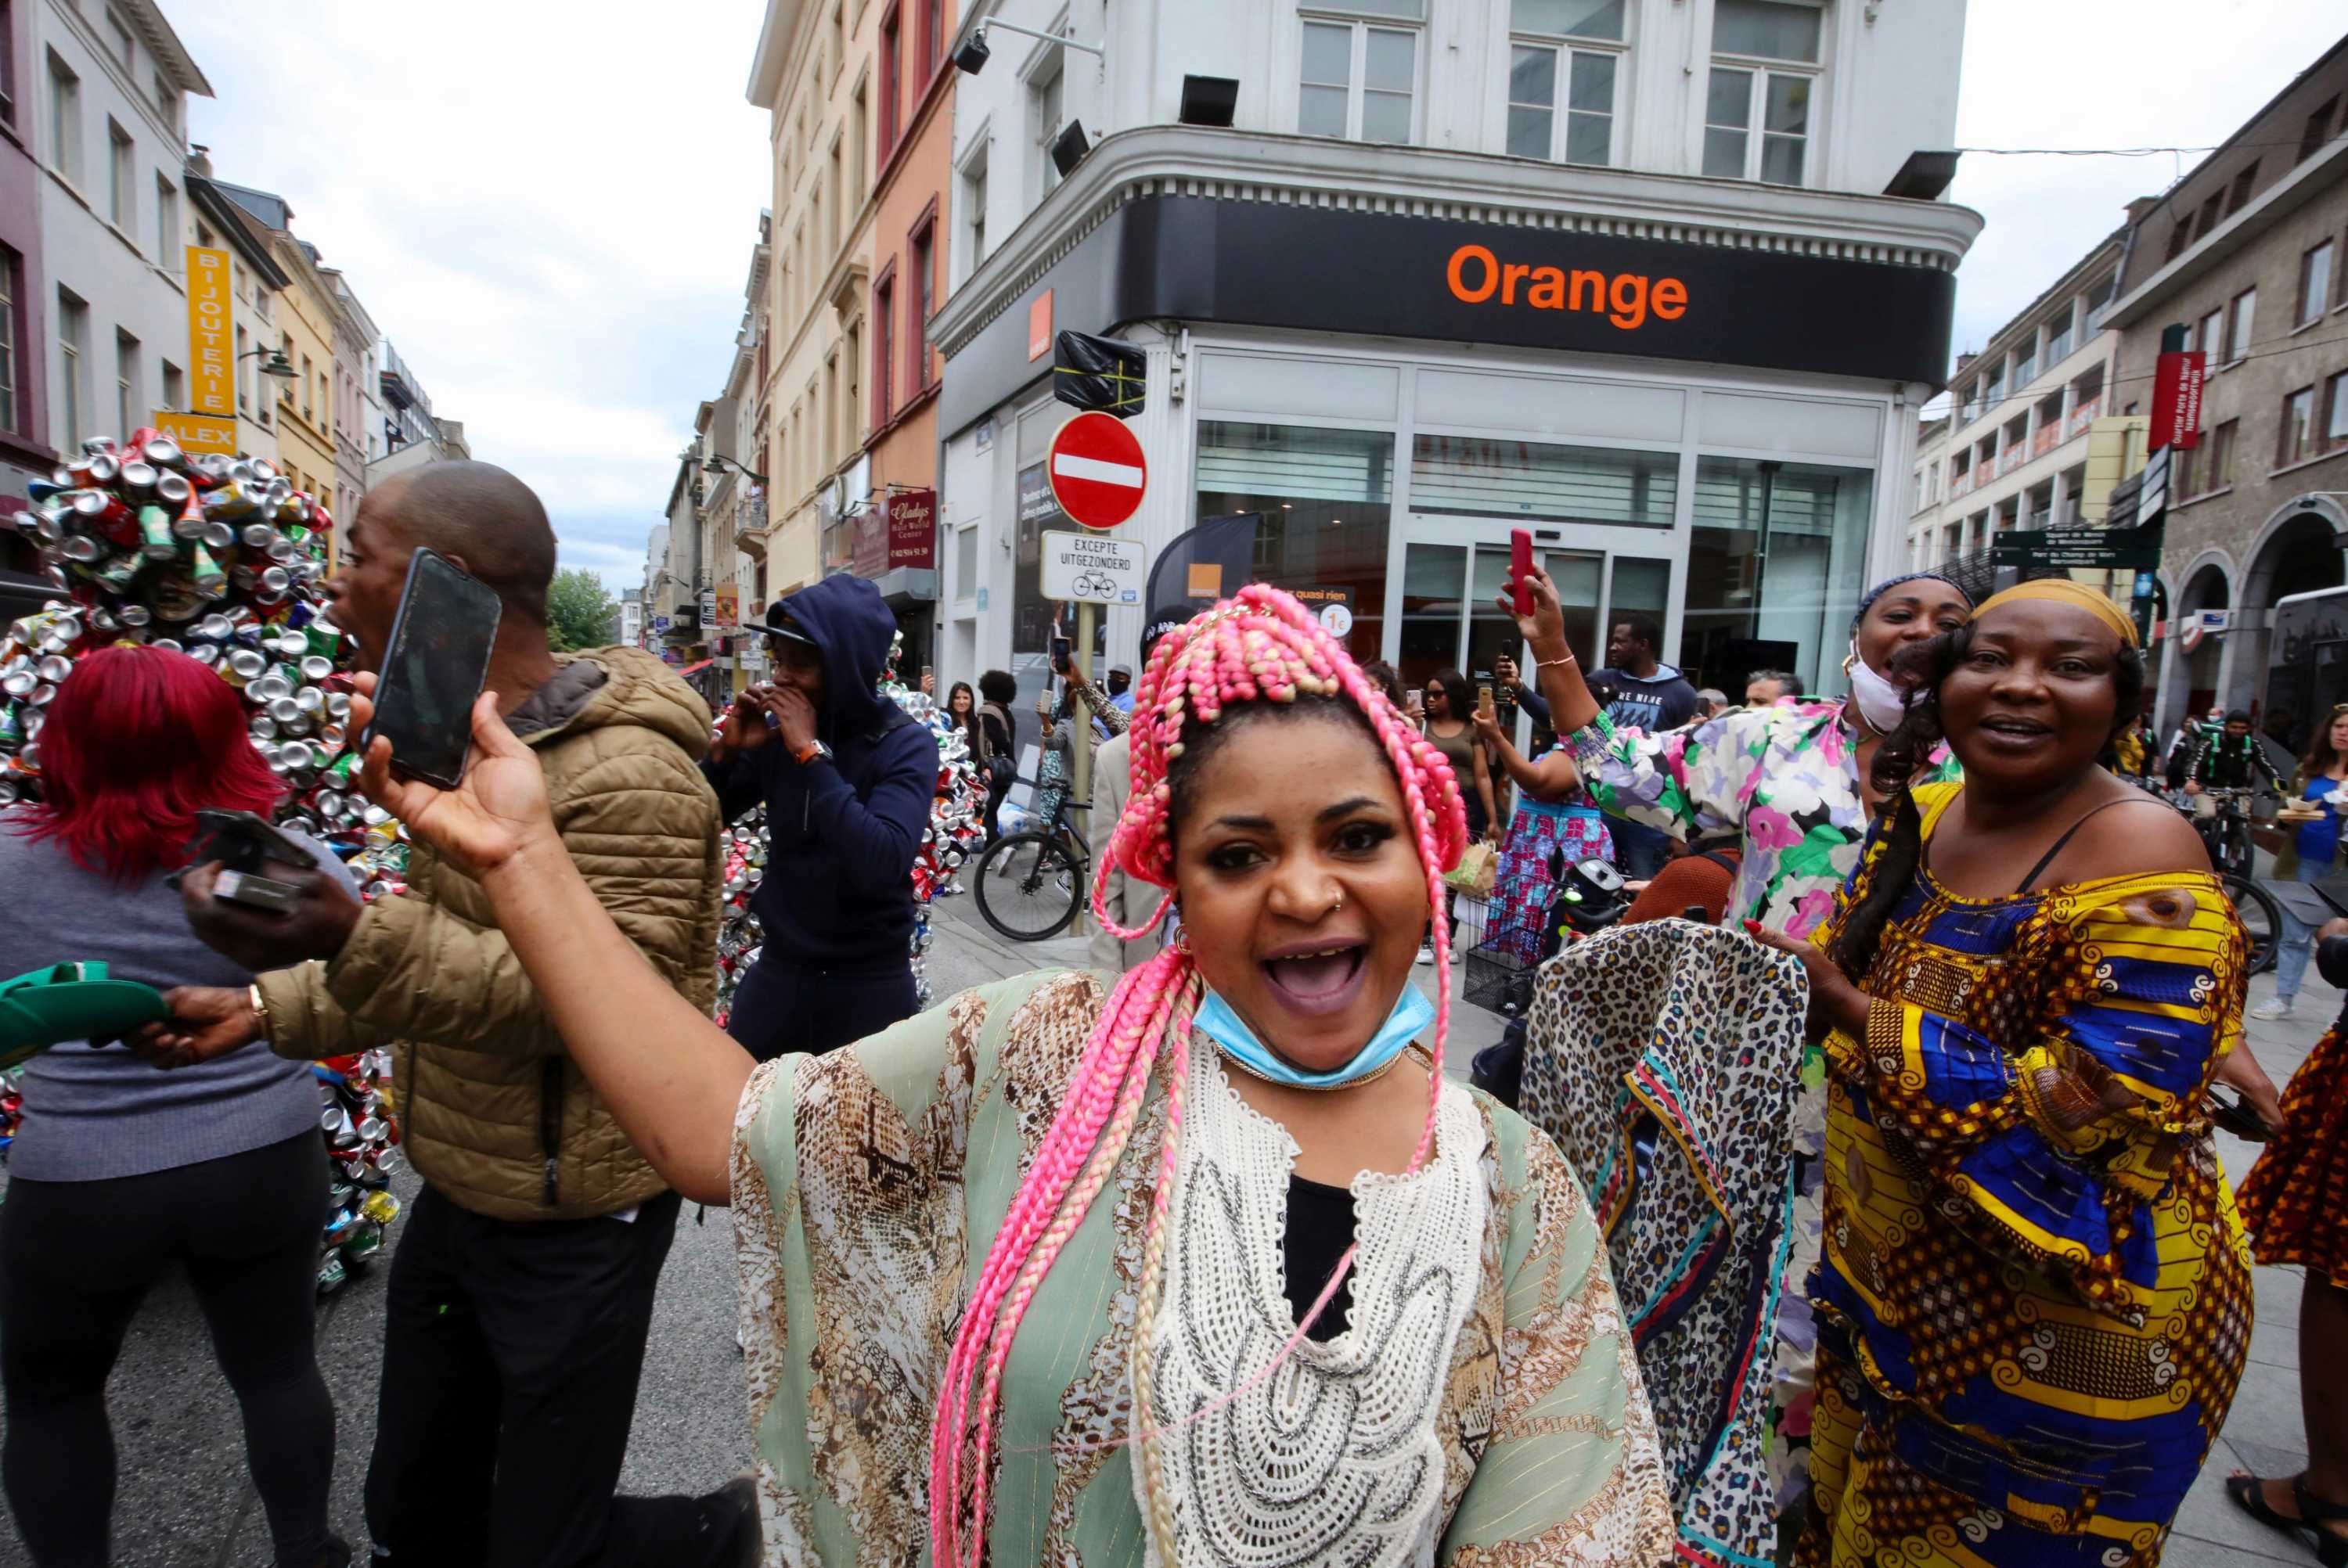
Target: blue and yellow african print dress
(2035,1299)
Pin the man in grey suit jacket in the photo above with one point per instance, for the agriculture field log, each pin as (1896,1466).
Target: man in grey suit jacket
(1129,902)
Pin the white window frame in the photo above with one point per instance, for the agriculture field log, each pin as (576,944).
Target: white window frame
(976,168)
(1053,80)
(1045,69)
(1357,63)
(1565,46)
(1756,104)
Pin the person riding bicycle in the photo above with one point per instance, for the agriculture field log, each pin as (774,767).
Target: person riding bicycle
(2230,758)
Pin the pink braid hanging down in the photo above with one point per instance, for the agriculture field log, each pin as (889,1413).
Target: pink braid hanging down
(1261,646)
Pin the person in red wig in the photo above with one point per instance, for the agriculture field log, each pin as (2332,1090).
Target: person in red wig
(120,1170)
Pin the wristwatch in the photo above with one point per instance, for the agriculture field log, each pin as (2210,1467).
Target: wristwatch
(811,750)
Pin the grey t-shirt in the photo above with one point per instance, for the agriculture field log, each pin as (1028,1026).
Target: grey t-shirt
(90,1115)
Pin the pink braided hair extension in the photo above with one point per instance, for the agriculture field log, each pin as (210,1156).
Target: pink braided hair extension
(1261,646)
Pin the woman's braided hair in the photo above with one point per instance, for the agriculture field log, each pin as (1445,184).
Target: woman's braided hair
(1262,647)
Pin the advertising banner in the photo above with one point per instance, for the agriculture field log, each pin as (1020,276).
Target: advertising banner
(198,432)
(211,340)
(2177,401)
(913,529)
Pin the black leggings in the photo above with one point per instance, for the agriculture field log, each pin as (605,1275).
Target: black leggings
(75,1259)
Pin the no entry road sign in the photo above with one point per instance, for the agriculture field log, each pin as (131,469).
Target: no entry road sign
(1098,475)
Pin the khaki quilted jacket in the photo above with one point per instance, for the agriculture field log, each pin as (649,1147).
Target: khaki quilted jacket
(492,1110)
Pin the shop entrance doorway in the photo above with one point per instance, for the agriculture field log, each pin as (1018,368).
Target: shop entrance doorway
(1446,618)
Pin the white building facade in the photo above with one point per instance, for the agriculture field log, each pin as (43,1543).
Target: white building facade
(112,86)
(2012,450)
(1616,272)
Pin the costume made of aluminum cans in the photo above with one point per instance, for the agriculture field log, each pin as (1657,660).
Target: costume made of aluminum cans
(221,558)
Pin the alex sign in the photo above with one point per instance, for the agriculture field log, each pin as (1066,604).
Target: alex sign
(197,432)
(1086,569)
(211,351)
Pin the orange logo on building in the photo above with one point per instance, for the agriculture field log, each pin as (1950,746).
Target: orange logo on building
(1626,299)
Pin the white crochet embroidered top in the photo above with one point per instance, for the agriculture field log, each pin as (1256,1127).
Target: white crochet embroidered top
(1331,1459)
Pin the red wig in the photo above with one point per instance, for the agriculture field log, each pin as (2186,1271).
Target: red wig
(136,741)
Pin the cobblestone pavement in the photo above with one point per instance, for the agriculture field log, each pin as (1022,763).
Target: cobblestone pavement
(183,1499)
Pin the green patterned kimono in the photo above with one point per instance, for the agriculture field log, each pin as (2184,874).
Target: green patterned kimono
(867,1184)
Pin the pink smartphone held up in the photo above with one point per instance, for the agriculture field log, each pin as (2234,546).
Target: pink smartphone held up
(1520,568)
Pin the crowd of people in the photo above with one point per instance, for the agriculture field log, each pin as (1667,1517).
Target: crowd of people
(1205,1253)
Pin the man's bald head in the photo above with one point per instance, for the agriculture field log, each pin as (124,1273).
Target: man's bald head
(481,514)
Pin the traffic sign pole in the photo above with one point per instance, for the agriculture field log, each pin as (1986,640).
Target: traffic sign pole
(1081,662)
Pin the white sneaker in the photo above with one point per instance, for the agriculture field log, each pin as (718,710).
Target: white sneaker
(2267,1012)
(1427,952)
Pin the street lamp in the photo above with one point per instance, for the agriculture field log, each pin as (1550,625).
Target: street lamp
(717,465)
(277,365)
(972,57)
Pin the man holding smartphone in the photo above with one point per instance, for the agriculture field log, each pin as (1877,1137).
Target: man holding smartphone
(847,778)
(521,1289)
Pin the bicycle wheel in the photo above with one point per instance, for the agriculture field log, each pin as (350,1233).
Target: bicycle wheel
(1027,885)
(2261,920)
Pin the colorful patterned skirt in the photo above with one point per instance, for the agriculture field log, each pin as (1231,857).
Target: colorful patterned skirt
(2294,1202)
(1521,892)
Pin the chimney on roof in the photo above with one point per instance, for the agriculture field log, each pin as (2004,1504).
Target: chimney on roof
(200,160)
(2144,207)
(1964,362)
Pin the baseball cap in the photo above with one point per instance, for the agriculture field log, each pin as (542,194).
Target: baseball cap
(1163,620)
(779,623)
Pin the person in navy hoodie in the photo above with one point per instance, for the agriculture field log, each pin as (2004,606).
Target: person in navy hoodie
(846,777)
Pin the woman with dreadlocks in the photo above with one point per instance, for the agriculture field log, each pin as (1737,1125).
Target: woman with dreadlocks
(2035,1298)
(1217,1269)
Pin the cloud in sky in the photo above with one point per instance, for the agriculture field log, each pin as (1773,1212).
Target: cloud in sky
(2102,73)
(547,208)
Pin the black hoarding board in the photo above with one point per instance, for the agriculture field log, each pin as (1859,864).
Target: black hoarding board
(1198,259)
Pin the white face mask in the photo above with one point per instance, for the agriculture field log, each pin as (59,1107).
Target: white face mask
(1882,704)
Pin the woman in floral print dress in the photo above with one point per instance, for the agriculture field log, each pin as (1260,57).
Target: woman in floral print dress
(1789,778)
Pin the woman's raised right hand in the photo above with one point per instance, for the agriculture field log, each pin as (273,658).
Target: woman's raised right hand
(1545,627)
(499,809)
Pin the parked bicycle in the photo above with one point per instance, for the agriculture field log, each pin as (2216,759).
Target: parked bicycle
(2227,833)
(1031,883)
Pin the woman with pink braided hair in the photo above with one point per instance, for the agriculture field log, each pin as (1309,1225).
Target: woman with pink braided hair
(1217,1269)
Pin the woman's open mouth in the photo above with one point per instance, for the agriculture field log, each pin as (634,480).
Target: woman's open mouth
(1317,979)
(2011,729)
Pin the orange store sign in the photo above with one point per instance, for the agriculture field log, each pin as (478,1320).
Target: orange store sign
(1626,299)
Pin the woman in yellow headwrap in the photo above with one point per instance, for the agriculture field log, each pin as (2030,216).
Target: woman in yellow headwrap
(2034,1302)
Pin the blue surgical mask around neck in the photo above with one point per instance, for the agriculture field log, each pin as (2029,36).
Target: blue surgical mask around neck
(1217,1021)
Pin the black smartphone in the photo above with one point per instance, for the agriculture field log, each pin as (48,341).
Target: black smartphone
(256,892)
(434,669)
(244,842)
(1064,654)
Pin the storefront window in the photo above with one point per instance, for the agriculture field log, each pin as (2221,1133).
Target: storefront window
(1775,562)
(1323,501)
(1476,478)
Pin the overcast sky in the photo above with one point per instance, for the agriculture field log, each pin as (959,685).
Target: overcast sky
(549,210)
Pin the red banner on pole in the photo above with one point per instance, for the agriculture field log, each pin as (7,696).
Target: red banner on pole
(2177,401)
(913,528)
